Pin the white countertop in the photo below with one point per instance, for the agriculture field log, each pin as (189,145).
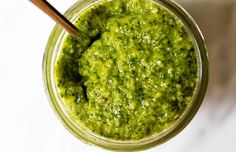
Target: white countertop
(29,124)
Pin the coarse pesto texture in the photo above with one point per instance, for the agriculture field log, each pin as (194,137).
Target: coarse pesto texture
(138,76)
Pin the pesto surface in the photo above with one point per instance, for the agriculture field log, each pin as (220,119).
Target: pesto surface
(138,76)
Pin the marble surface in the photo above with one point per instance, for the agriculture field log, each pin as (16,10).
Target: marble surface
(27,122)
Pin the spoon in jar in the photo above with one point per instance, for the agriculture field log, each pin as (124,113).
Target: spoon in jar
(47,8)
(82,37)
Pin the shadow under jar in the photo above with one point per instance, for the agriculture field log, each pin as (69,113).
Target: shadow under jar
(139,83)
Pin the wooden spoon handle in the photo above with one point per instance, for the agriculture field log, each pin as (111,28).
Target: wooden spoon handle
(57,16)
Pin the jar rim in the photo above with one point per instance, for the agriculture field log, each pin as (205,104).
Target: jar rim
(52,50)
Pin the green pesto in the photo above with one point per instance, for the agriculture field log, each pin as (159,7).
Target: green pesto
(138,76)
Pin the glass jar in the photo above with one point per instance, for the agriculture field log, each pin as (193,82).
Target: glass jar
(54,46)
